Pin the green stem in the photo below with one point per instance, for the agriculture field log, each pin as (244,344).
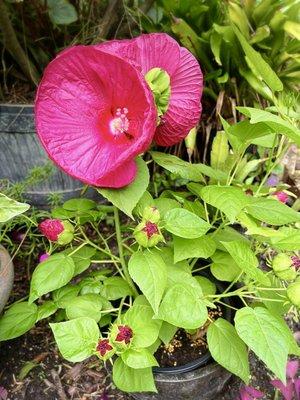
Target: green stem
(120,249)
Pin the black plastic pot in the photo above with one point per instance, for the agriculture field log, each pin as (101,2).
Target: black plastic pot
(6,276)
(200,379)
(21,151)
(203,383)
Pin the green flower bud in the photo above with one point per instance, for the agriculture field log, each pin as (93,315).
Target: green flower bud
(283,267)
(293,293)
(151,214)
(67,235)
(148,234)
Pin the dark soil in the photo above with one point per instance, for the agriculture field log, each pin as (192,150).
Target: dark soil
(181,350)
(184,347)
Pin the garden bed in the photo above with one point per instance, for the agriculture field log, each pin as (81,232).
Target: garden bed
(52,377)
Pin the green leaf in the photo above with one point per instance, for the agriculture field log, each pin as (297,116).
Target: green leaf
(87,305)
(46,309)
(62,296)
(263,333)
(10,208)
(149,272)
(202,247)
(79,205)
(132,380)
(81,258)
(17,320)
(230,200)
(164,204)
(265,71)
(139,358)
(220,151)
(76,339)
(287,238)
(208,287)
(227,234)
(61,12)
(224,268)
(182,307)
(185,224)
(228,349)
(127,198)
(145,329)
(51,274)
(177,274)
(242,254)
(272,121)
(272,211)
(177,166)
(115,287)
(167,332)
(247,132)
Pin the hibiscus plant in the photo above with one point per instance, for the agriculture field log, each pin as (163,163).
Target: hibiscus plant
(120,286)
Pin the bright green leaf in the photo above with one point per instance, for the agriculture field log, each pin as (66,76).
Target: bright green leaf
(127,198)
(76,339)
(228,349)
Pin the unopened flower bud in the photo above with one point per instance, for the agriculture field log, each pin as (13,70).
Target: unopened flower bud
(104,349)
(151,214)
(282,197)
(283,267)
(57,230)
(148,234)
(121,336)
(43,257)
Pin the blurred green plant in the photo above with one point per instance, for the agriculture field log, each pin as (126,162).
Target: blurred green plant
(238,43)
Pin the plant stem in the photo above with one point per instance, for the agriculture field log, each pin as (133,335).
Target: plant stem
(120,249)
(13,46)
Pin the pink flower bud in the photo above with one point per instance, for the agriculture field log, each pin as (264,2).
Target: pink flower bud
(51,228)
(282,197)
(43,257)
(57,230)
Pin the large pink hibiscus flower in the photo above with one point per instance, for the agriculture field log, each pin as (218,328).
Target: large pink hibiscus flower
(94,114)
(159,50)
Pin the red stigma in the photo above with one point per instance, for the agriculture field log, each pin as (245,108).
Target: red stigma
(103,347)
(125,334)
(150,229)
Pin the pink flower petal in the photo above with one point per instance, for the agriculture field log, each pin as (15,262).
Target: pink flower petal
(76,107)
(286,390)
(292,368)
(254,393)
(297,388)
(244,395)
(158,50)
(185,107)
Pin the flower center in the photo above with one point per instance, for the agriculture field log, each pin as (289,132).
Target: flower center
(150,229)
(103,347)
(125,333)
(119,124)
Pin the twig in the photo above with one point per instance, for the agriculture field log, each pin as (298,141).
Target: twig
(109,18)
(58,384)
(12,44)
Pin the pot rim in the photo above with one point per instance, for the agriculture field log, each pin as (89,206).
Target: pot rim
(206,357)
